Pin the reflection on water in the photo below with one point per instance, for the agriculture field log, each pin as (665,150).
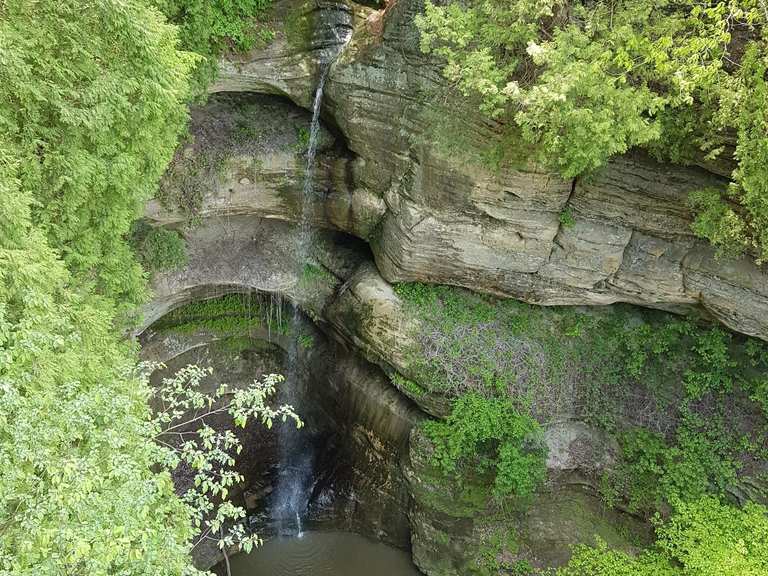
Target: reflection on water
(324,554)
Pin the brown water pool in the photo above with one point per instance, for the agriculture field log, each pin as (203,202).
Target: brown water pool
(324,554)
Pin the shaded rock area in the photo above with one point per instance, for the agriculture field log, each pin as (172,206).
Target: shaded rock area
(358,424)
(246,253)
(237,364)
(360,484)
(459,528)
(246,155)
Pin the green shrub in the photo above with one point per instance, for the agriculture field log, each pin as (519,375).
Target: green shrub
(666,387)
(302,140)
(491,434)
(702,538)
(566,219)
(158,249)
(409,386)
(306,341)
(699,462)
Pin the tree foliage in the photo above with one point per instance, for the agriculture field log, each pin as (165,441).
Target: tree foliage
(77,493)
(81,492)
(584,81)
(182,429)
(702,538)
(490,433)
(92,102)
(92,96)
(209,27)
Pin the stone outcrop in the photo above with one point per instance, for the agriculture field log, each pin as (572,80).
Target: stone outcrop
(458,528)
(365,490)
(243,253)
(442,215)
(247,155)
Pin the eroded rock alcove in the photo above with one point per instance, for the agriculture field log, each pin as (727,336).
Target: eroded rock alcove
(356,425)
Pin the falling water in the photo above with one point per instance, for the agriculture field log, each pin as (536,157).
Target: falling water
(296,456)
(299,531)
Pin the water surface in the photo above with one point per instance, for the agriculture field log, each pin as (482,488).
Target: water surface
(324,554)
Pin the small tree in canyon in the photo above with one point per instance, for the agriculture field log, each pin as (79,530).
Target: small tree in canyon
(187,439)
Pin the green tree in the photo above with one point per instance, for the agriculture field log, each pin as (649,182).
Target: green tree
(92,102)
(77,492)
(92,97)
(81,492)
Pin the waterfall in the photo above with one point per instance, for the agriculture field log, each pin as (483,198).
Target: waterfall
(296,479)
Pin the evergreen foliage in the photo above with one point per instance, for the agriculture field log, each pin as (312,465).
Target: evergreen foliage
(92,102)
(584,81)
(158,249)
(86,486)
(92,98)
(209,27)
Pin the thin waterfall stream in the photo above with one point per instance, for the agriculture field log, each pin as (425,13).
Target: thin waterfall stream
(296,455)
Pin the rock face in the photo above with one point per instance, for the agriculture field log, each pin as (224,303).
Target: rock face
(576,446)
(246,155)
(363,488)
(243,253)
(409,190)
(459,529)
(445,216)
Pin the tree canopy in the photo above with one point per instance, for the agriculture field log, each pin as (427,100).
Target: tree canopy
(93,100)
(77,493)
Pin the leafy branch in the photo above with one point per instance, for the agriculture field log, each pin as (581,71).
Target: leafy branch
(185,438)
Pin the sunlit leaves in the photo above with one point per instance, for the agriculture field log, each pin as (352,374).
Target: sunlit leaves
(77,492)
(182,430)
(702,538)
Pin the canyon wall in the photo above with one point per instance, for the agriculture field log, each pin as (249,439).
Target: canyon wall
(410,188)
